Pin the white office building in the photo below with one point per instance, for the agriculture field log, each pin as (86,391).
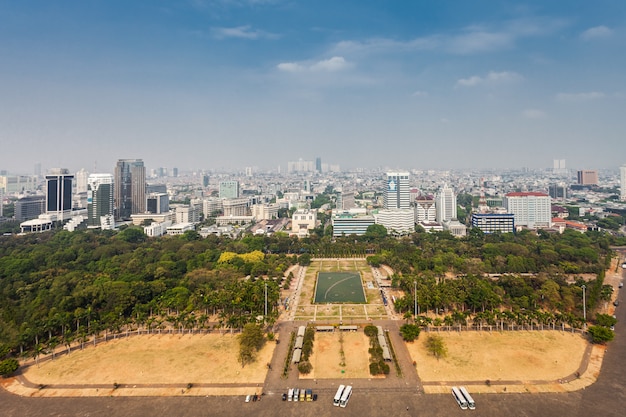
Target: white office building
(397,193)
(446,204)
(397,222)
(425,210)
(531,209)
(302,221)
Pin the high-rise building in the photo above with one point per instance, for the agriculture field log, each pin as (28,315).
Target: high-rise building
(397,193)
(82,177)
(158,203)
(174,172)
(531,209)
(59,192)
(318,164)
(229,189)
(559,166)
(425,209)
(130,188)
(100,196)
(587,177)
(622,171)
(1,202)
(446,204)
(29,208)
(557,191)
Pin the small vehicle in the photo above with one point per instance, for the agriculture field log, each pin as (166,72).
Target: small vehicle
(612,327)
(616,303)
(248,398)
(255,397)
(314,397)
(621,284)
(284,397)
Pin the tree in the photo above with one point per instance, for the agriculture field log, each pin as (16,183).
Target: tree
(8,366)
(251,340)
(605,320)
(600,334)
(436,346)
(409,332)
(376,231)
(305,367)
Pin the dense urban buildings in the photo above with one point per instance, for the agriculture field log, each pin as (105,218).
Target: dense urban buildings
(622,171)
(130,187)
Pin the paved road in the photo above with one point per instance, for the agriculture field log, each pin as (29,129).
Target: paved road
(606,398)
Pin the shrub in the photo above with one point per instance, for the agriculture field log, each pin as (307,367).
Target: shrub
(8,366)
(371,331)
(374,368)
(305,367)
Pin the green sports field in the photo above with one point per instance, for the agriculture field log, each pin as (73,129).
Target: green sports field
(339,287)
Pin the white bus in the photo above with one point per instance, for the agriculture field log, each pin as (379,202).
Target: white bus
(296,394)
(290,394)
(459,398)
(337,398)
(345,397)
(470,401)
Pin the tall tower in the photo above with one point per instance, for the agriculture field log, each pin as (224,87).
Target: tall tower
(100,201)
(59,192)
(130,188)
(446,204)
(397,193)
(622,171)
(81,181)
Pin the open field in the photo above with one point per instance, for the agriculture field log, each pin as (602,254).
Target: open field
(328,362)
(339,287)
(307,309)
(520,355)
(155,359)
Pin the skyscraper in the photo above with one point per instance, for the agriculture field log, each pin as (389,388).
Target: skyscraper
(100,201)
(59,192)
(229,189)
(81,181)
(587,177)
(130,188)
(531,209)
(318,164)
(397,193)
(446,204)
(622,171)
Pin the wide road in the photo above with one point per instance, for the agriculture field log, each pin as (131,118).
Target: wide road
(606,398)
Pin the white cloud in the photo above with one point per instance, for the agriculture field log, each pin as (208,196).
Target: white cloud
(491,78)
(596,33)
(469,40)
(336,63)
(420,94)
(290,67)
(579,97)
(534,114)
(241,32)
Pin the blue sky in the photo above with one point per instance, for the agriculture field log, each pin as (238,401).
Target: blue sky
(215,84)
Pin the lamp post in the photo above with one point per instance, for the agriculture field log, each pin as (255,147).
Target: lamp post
(415,298)
(266,299)
(584,306)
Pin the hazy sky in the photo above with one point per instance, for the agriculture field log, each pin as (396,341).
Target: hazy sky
(232,83)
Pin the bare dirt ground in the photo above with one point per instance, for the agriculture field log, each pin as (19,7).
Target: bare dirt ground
(520,355)
(156,359)
(328,362)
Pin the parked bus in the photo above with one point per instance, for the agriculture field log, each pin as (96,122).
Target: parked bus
(296,394)
(337,398)
(470,401)
(345,397)
(309,394)
(302,394)
(459,398)
(290,394)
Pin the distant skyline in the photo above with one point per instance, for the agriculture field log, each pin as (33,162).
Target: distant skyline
(224,84)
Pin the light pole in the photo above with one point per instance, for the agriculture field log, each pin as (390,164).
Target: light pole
(415,298)
(584,305)
(266,299)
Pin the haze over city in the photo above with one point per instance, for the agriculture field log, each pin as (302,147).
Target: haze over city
(231,83)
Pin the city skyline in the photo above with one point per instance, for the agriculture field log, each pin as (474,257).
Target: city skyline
(216,84)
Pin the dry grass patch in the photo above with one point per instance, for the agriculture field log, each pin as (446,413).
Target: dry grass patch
(520,356)
(327,360)
(156,359)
